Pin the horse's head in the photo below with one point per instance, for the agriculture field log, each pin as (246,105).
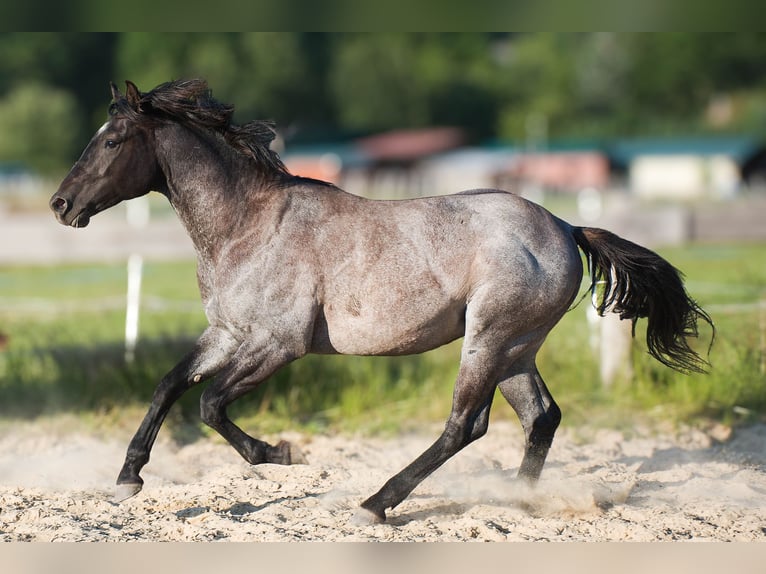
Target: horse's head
(119,163)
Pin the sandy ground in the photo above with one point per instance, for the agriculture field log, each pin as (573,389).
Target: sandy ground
(597,486)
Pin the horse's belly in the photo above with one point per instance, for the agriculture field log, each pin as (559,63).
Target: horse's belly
(347,334)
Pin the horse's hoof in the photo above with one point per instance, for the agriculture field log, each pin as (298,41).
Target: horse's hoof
(372,516)
(287,453)
(125,491)
(296,454)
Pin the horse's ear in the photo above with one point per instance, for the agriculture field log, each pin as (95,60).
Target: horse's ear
(116,95)
(132,95)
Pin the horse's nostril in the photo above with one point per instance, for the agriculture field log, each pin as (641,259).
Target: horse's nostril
(59,204)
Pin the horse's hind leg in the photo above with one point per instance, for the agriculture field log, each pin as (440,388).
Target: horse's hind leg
(539,415)
(468,421)
(213,349)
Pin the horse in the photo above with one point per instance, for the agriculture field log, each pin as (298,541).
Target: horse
(288,265)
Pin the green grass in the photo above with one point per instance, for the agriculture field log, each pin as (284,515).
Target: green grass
(64,354)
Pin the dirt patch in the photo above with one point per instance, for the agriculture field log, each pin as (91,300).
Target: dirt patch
(597,486)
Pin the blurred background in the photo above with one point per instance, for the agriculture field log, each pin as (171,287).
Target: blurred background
(658,137)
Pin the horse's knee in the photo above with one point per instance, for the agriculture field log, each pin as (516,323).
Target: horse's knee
(210,409)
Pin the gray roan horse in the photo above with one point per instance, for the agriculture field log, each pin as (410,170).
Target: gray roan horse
(289,266)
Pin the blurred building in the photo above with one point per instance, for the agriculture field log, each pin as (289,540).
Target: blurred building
(687,168)
(433,161)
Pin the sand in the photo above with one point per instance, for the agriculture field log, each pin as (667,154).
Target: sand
(598,485)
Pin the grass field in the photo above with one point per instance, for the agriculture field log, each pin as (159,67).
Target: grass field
(64,353)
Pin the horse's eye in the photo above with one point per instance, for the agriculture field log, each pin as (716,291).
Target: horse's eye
(111,144)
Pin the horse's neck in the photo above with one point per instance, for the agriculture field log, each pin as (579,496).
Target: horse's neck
(203,183)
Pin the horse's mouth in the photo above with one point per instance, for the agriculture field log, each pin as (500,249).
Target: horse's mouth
(81,220)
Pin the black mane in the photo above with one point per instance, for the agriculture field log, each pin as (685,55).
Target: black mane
(191,102)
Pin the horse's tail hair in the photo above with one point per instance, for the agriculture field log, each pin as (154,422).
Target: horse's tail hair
(639,283)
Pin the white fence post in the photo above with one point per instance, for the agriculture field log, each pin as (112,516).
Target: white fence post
(611,342)
(138,218)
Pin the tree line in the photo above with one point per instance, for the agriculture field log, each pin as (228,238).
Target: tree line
(325,86)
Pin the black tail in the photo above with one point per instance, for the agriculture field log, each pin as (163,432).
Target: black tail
(639,283)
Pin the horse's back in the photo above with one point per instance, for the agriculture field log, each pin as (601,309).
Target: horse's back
(399,275)
(462,238)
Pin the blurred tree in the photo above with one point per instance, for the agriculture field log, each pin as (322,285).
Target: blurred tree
(376,84)
(148,59)
(493,84)
(39,128)
(263,74)
(736,60)
(537,81)
(78,63)
(274,80)
(459,77)
(672,78)
(385,81)
(601,68)
(668,80)
(212,56)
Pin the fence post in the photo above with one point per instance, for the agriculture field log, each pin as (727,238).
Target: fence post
(616,353)
(611,342)
(138,217)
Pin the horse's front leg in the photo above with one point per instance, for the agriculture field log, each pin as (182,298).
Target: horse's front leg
(255,360)
(212,351)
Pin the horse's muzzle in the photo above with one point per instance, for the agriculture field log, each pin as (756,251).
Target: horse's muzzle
(61,208)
